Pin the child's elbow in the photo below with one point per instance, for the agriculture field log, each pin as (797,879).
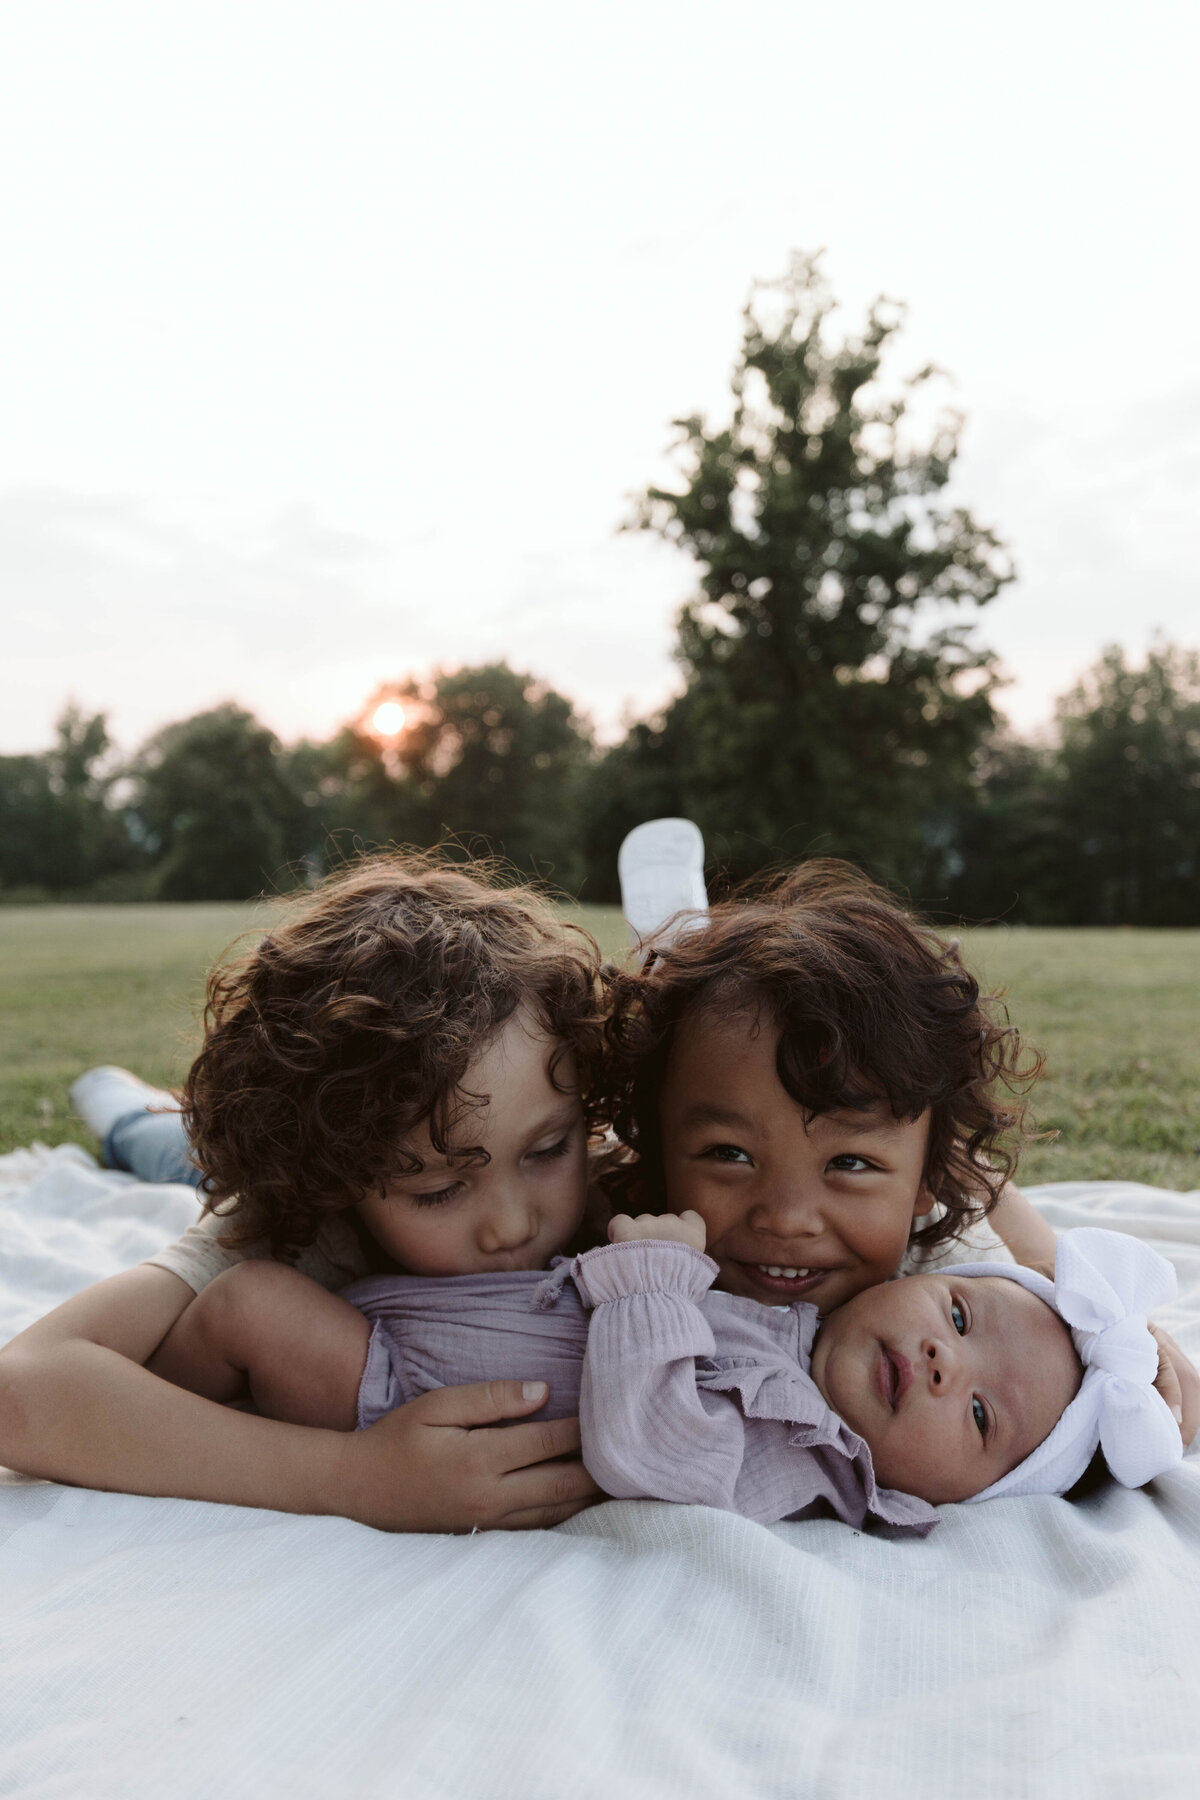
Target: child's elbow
(17,1405)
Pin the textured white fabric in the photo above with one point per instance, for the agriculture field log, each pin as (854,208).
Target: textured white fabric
(169,1650)
(1105,1286)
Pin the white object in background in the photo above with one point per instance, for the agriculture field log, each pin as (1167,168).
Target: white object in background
(661,869)
(102,1096)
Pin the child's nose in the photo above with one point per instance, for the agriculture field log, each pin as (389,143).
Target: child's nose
(786,1210)
(508,1223)
(941,1364)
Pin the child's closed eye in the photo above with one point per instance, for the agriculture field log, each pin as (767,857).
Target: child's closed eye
(551,1151)
(439,1197)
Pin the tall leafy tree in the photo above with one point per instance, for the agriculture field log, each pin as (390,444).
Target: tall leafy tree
(1127,791)
(835,696)
(215,807)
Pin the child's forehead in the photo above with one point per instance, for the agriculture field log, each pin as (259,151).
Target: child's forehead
(725,1063)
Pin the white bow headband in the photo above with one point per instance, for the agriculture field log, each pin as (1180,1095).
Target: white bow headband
(1104,1287)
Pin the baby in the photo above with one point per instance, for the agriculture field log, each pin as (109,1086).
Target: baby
(987,1379)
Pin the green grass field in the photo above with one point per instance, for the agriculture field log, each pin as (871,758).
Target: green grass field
(1115,1011)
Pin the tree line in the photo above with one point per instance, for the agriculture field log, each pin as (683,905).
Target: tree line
(835,701)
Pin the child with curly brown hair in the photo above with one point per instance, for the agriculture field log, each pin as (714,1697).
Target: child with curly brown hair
(814,1077)
(395,1076)
(814,1072)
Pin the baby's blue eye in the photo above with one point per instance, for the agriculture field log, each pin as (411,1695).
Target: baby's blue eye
(979,1414)
(958,1319)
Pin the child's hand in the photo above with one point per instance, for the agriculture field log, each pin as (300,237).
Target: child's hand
(435,1464)
(672,1228)
(1178,1383)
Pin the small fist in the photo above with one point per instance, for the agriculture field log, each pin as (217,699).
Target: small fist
(671,1228)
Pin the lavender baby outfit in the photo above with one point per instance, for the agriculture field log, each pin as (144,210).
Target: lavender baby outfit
(682,1394)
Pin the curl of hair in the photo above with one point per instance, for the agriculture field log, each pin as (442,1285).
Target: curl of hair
(871,1006)
(355,1018)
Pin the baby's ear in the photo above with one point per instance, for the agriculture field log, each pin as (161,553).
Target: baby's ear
(924,1202)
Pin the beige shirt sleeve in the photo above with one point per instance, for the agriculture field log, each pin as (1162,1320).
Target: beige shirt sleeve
(335,1260)
(978,1243)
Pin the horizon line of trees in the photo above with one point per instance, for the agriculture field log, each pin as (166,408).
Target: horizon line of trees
(836,702)
(1099,824)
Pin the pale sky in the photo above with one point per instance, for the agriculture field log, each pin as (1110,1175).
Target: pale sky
(333,337)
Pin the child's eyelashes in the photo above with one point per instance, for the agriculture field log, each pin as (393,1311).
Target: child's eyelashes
(726,1153)
(439,1196)
(453,1189)
(849,1163)
(551,1150)
(960,1318)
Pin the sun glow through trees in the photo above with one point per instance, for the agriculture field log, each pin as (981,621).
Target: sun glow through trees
(388,719)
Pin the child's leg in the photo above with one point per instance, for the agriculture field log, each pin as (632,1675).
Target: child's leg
(264,1332)
(139,1127)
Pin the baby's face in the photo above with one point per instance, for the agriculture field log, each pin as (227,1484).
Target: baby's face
(951,1383)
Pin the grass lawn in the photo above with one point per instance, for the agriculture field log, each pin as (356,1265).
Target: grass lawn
(120,984)
(1116,1012)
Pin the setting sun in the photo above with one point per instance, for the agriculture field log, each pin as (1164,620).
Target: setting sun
(388,719)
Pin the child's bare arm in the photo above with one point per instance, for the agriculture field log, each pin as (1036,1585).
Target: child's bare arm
(267,1333)
(77,1406)
(1022,1228)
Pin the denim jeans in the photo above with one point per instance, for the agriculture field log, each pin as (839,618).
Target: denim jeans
(152,1146)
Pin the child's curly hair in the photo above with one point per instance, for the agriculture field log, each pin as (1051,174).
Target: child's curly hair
(355,1018)
(870,1005)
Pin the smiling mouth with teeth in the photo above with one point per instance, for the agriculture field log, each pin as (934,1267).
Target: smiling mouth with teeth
(775,1270)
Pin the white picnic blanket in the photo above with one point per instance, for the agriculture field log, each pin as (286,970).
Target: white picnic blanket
(160,1650)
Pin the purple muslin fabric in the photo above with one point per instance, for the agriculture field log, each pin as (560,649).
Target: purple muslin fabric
(683,1394)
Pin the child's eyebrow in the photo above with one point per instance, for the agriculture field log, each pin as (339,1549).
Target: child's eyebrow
(434,1162)
(866,1124)
(563,1114)
(702,1112)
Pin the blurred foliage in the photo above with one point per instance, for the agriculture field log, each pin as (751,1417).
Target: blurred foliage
(60,829)
(488,756)
(213,807)
(835,702)
(1101,826)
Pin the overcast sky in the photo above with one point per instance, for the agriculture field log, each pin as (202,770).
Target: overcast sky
(333,337)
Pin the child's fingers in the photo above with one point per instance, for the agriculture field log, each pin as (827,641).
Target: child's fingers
(1167,1381)
(674,1228)
(526,1446)
(480,1403)
(541,1518)
(1185,1379)
(548,1488)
